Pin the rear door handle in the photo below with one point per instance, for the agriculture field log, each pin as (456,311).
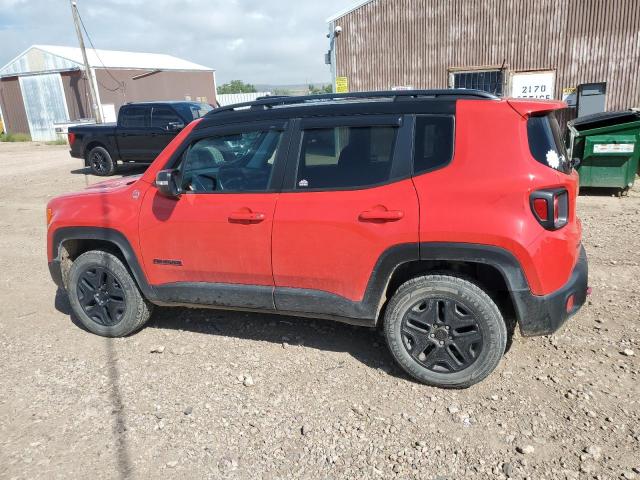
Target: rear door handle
(246,216)
(381,215)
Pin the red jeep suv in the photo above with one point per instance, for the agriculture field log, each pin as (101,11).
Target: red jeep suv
(443,216)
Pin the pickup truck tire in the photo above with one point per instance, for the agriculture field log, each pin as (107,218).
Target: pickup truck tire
(100,162)
(104,297)
(444,331)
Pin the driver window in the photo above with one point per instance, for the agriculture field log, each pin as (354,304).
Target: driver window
(239,162)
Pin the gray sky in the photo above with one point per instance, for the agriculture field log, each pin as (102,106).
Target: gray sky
(258,41)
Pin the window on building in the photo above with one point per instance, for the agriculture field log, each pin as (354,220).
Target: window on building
(433,146)
(491,81)
(345,157)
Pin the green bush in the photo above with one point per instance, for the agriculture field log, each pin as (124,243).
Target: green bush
(15,137)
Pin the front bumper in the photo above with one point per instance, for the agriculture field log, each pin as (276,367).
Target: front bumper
(544,314)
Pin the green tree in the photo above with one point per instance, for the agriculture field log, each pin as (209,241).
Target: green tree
(313,90)
(236,86)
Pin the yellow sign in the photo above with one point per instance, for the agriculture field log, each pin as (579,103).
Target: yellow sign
(342,84)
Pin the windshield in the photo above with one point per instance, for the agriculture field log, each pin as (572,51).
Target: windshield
(191,111)
(545,142)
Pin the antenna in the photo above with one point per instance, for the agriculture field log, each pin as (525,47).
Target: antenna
(93,97)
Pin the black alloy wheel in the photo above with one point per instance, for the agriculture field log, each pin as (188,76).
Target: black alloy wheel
(101,296)
(442,335)
(99,162)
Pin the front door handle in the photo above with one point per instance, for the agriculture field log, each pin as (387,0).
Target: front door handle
(246,216)
(381,215)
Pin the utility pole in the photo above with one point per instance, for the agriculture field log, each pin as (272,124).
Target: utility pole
(87,69)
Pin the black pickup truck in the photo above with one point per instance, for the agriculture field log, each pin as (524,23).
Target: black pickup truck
(142,132)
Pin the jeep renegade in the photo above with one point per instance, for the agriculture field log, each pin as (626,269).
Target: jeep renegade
(442,216)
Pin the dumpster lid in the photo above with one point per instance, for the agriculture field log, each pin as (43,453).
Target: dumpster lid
(605,119)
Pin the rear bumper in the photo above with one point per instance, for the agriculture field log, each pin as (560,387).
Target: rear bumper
(543,315)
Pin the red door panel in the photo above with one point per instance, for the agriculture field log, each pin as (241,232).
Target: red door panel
(221,238)
(331,241)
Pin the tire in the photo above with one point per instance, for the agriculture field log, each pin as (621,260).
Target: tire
(115,310)
(444,331)
(100,162)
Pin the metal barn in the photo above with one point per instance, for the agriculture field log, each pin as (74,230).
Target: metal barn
(46,85)
(541,49)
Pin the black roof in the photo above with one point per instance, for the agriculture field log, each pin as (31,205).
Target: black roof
(168,102)
(355,103)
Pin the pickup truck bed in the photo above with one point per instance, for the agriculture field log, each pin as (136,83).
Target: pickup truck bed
(141,133)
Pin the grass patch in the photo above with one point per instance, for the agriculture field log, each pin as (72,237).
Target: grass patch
(15,137)
(59,141)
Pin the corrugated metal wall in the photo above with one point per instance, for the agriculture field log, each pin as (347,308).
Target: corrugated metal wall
(387,43)
(15,116)
(225,99)
(45,104)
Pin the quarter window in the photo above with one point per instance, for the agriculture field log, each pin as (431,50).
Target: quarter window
(433,147)
(241,162)
(345,157)
(545,142)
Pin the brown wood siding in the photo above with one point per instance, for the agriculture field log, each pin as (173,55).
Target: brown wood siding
(76,92)
(164,85)
(15,116)
(388,43)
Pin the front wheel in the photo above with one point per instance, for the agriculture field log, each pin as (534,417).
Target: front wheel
(104,296)
(444,331)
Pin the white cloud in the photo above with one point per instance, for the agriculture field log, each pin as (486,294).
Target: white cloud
(267,41)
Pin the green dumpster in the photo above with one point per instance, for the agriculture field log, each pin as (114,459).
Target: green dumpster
(608,146)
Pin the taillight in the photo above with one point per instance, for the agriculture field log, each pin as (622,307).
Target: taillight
(550,207)
(72,138)
(541,209)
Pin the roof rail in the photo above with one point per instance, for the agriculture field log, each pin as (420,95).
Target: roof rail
(394,95)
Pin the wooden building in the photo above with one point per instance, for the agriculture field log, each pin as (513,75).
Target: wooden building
(523,48)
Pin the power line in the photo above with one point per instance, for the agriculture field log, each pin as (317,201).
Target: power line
(120,86)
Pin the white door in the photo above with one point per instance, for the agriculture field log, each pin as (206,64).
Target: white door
(44,103)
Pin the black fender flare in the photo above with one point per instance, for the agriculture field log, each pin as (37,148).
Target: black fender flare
(110,235)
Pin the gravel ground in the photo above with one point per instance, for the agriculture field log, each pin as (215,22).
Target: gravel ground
(211,394)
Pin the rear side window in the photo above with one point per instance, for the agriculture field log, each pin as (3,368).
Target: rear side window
(345,157)
(545,142)
(135,117)
(433,146)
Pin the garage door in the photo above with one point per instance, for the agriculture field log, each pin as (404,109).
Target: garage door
(44,104)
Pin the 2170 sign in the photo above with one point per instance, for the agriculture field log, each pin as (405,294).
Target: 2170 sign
(533,84)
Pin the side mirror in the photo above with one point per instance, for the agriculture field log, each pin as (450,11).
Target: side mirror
(174,126)
(575,162)
(168,183)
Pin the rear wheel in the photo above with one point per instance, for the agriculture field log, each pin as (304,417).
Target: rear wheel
(104,296)
(445,331)
(100,162)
